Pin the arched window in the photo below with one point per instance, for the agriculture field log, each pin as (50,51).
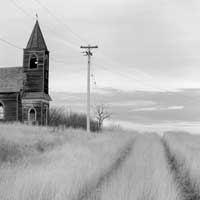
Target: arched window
(1,111)
(33,62)
(32,115)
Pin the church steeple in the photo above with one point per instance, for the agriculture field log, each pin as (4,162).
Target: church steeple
(36,63)
(36,41)
(35,94)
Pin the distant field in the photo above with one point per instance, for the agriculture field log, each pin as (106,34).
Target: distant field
(40,164)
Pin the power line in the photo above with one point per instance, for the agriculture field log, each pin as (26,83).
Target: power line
(21,8)
(10,43)
(52,30)
(110,60)
(62,62)
(114,64)
(127,76)
(17,47)
(102,66)
(60,21)
(64,41)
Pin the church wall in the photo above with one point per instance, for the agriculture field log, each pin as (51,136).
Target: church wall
(19,108)
(46,73)
(45,113)
(10,105)
(39,106)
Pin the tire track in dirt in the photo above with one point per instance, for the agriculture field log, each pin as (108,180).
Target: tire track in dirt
(90,191)
(141,175)
(181,177)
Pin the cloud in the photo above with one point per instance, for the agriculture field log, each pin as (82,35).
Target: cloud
(159,108)
(133,103)
(139,106)
(175,107)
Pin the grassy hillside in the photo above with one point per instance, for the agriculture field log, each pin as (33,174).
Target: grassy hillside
(39,164)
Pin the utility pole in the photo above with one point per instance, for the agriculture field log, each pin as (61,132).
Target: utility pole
(88,53)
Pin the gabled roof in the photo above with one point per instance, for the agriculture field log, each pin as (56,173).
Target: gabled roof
(11,79)
(36,40)
(36,95)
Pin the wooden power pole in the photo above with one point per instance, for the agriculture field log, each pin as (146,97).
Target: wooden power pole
(88,53)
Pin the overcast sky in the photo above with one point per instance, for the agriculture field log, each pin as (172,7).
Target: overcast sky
(150,46)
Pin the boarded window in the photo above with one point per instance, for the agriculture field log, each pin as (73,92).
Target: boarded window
(1,111)
(33,62)
(32,115)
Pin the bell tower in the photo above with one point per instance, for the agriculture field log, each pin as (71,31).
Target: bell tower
(35,99)
(36,62)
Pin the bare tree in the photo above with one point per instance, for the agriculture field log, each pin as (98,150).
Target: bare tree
(101,114)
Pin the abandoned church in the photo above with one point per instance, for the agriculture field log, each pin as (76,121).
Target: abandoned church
(24,91)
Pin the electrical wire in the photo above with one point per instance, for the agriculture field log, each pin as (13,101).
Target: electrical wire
(10,43)
(81,39)
(61,21)
(51,28)
(21,9)
(74,47)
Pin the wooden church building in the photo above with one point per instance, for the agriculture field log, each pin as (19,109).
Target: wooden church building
(24,91)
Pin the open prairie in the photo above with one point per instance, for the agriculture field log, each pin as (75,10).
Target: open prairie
(38,163)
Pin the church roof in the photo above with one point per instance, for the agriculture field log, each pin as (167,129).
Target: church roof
(36,95)
(11,79)
(36,40)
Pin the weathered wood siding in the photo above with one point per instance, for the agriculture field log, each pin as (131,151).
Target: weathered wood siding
(45,113)
(34,77)
(39,107)
(46,73)
(19,107)
(10,106)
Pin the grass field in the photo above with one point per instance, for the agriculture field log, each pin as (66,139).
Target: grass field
(145,175)
(184,154)
(38,163)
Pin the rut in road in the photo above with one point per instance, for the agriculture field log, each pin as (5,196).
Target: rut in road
(144,175)
(181,176)
(87,192)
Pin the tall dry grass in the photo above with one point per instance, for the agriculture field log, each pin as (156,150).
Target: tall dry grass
(71,164)
(21,141)
(184,149)
(59,117)
(145,175)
